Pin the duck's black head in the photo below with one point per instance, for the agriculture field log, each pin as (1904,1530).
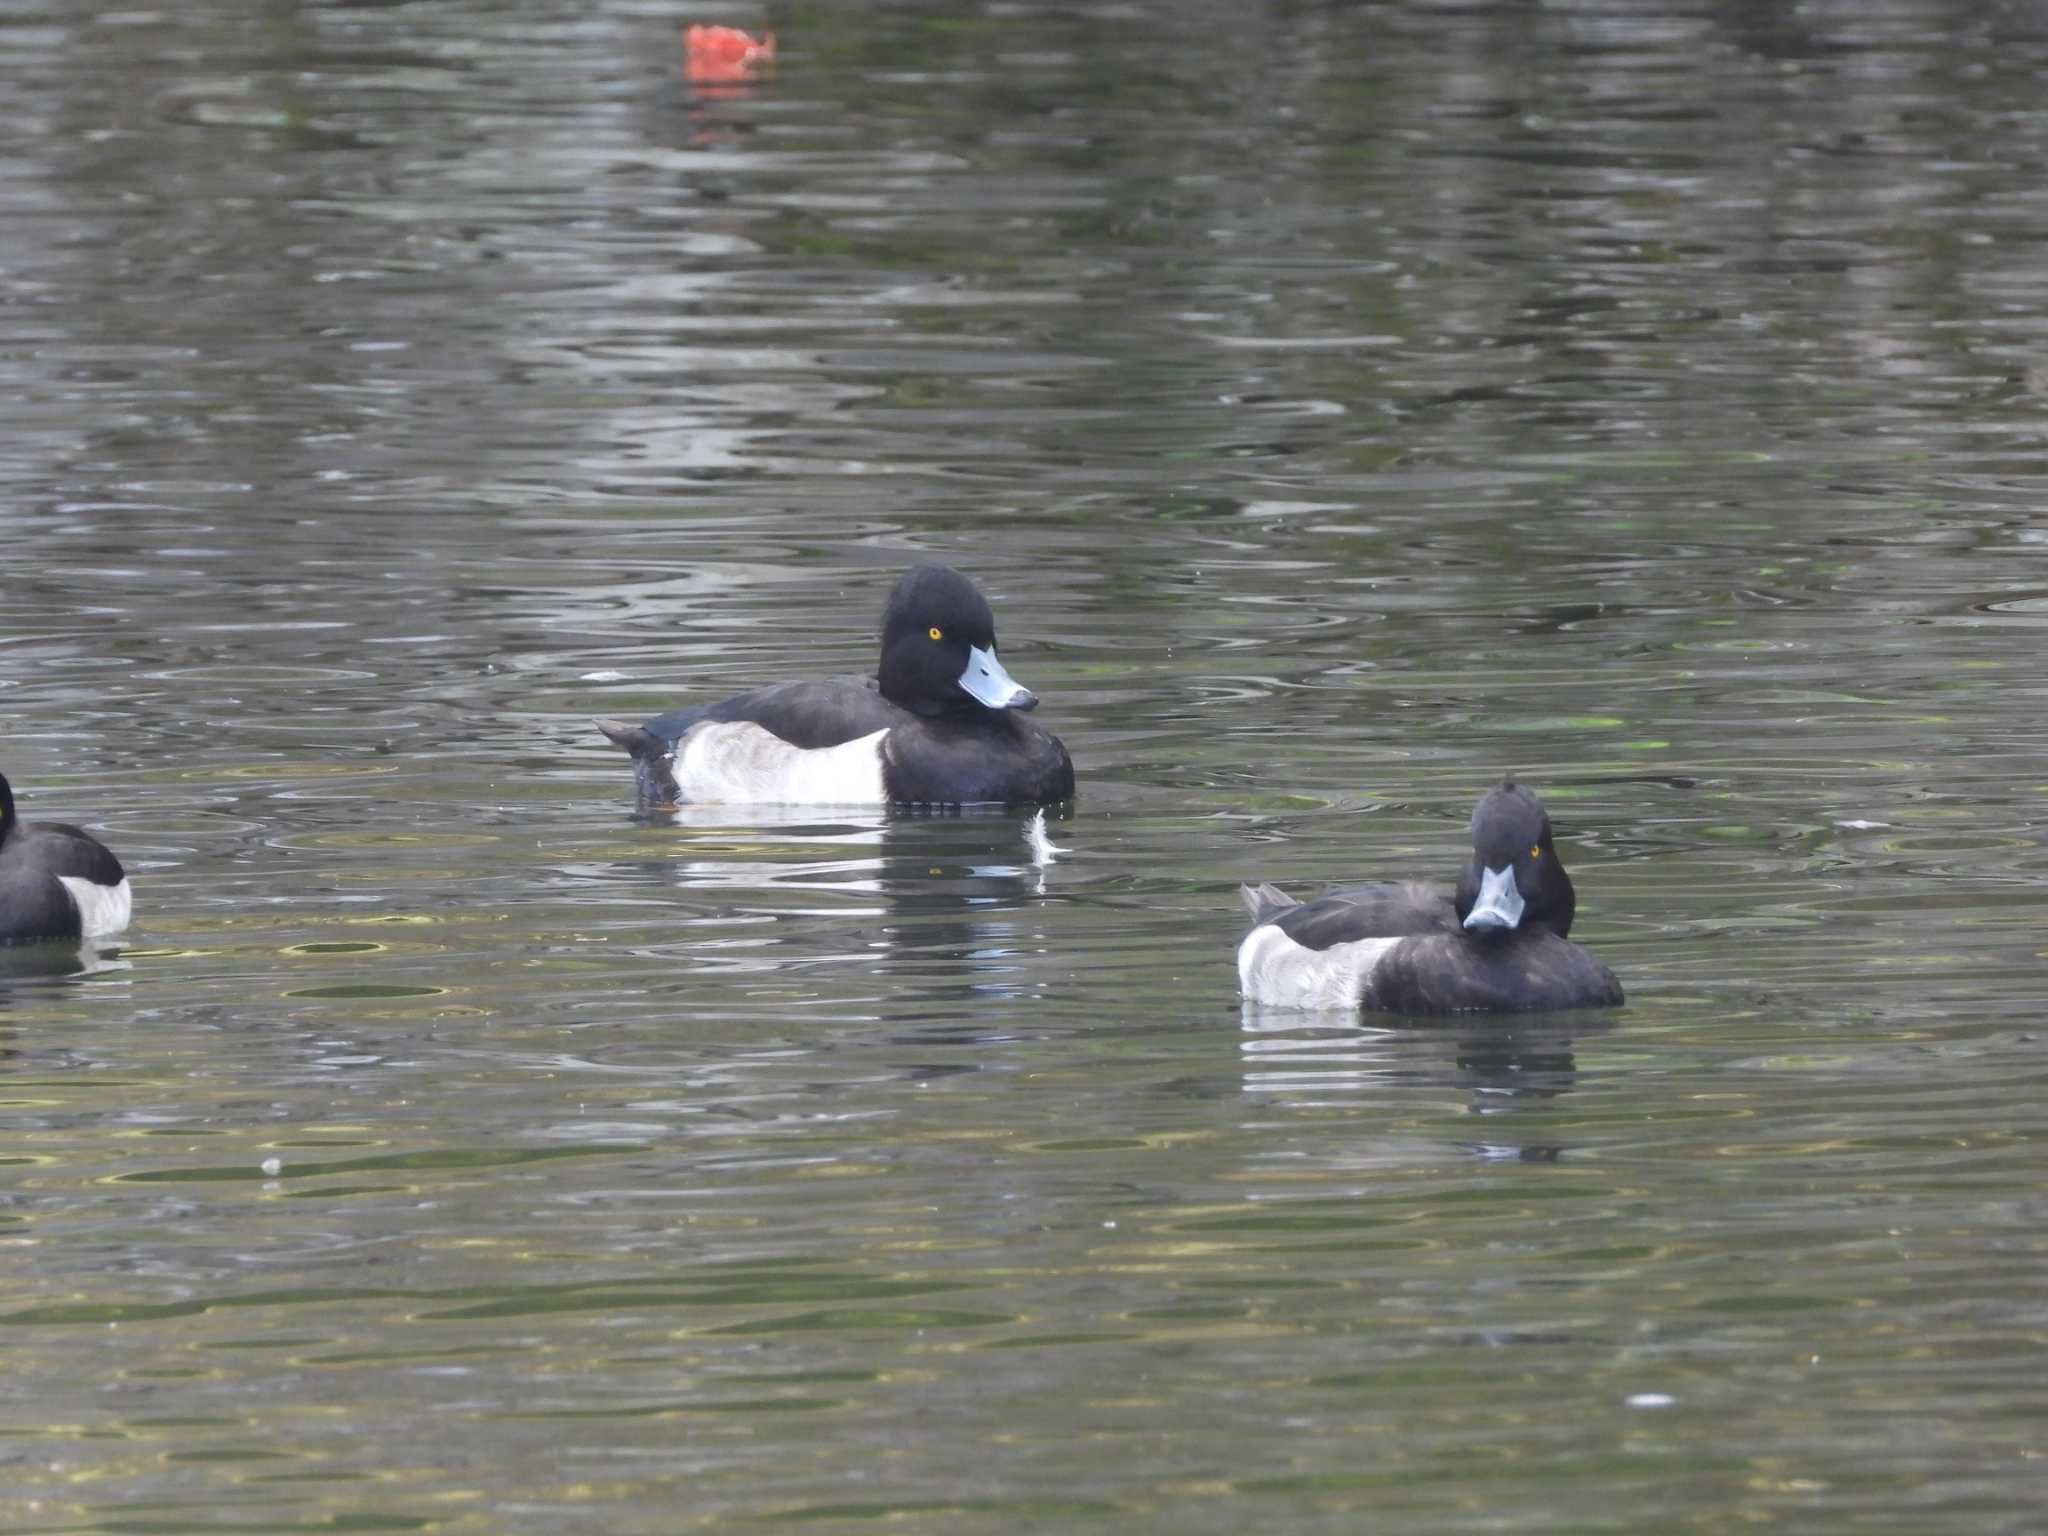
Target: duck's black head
(6,807)
(939,648)
(1515,881)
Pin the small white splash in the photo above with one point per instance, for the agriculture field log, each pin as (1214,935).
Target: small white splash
(1043,849)
(272,1166)
(1863,826)
(1652,1400)
(605,676)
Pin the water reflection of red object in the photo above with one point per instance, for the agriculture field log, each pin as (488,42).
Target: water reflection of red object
(723,55)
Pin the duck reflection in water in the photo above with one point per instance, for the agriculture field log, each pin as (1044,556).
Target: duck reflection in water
(913,920)
(72,957)
(28,972)
(1512,1071)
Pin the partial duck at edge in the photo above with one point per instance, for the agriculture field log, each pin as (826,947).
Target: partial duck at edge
(56,881)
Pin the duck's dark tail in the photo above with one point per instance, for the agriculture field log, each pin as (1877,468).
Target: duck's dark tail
(635,740)
(653,759)
(1264,901)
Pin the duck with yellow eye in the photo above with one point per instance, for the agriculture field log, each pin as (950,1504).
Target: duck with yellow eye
(1499,943)
(940,723)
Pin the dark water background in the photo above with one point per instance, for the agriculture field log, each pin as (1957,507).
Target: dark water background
(1344,404)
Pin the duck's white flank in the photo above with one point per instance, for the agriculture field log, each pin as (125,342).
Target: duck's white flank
(101,908)
(738,760)
(1272,968)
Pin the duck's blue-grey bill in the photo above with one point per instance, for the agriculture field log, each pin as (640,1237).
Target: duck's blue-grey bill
(986,680)
(1499,905)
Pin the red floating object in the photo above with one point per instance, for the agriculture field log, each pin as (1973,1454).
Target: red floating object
(723,55)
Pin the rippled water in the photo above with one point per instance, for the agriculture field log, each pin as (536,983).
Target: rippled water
(1343,405)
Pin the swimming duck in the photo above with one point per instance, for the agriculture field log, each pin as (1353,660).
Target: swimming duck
(940,723)
(1498,944)
(56,882)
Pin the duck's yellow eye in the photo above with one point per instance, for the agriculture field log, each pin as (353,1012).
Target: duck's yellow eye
(935,633)
(1536,851)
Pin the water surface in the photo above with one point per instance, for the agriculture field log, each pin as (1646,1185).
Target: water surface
(1343,405)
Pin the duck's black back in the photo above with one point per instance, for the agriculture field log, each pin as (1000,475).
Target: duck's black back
(1368,912)
(825,713)
(65,850)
